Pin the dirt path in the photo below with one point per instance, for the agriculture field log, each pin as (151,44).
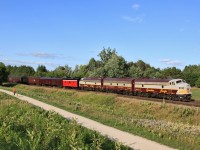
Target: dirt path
(128,139)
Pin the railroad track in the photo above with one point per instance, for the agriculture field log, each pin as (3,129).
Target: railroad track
(193,103)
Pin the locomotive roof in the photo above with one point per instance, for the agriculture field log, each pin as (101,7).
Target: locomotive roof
(92,78)
(51,78)
(152,80)
(118,79)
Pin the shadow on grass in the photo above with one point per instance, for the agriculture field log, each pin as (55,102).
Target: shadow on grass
(9,84)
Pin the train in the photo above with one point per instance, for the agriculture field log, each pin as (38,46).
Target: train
(171,89)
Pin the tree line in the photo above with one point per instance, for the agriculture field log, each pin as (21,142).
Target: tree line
(110,64)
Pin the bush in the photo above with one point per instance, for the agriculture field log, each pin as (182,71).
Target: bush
(197,83)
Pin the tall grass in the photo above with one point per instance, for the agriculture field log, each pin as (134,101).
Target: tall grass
(176,126)
(196,93)
(23,126)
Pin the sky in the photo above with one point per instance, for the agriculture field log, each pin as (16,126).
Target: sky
(162,33)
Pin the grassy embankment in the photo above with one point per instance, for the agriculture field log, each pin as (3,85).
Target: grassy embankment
(196,93)
(176,126)
(23,126)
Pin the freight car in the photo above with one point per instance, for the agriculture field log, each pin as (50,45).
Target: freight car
(70,83)
(57,82)
(13,79)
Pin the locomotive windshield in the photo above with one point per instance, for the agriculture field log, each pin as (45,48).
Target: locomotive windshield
(180,81)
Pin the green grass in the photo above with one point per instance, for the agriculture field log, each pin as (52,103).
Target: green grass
(196,93)
(176,126)
(23,126)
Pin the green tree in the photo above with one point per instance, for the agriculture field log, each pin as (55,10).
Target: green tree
(197,83)
(135,72)
(24,71)
(3,73)
(41,71)
(171,73)
(142,65)
(106,54)
(62,72)
(191,74)
(116,67)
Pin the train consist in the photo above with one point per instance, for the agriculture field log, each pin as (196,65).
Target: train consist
(175,89)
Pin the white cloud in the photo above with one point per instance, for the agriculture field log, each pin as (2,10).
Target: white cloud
(22,62)
(136,6)
(138,19)
(41,55)
(171,62)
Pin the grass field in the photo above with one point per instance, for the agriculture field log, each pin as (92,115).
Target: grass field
(176,126)
(196,93)
(23,126)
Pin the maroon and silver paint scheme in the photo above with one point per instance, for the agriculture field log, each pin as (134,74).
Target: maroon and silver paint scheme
(91,83)
(119,85)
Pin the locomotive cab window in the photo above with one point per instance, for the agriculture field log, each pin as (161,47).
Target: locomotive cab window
(142,85)
(179,81)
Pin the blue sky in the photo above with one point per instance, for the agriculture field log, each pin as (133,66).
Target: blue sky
(58,32)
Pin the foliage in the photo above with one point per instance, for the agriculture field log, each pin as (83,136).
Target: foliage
(23,126)
(21,70)
(41,71)
(106,54)
(197,83)
(3,73)
(116,67)
(191,74)
(171,73)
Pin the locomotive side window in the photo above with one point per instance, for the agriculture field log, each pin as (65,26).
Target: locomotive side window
(162,86)
(142,85)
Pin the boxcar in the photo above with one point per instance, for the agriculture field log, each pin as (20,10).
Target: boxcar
(91,83)
(119,85)
(13,79)
(51,81)
(71,83)
(34,80)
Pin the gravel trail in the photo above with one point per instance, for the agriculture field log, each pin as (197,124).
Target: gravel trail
(128,139)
